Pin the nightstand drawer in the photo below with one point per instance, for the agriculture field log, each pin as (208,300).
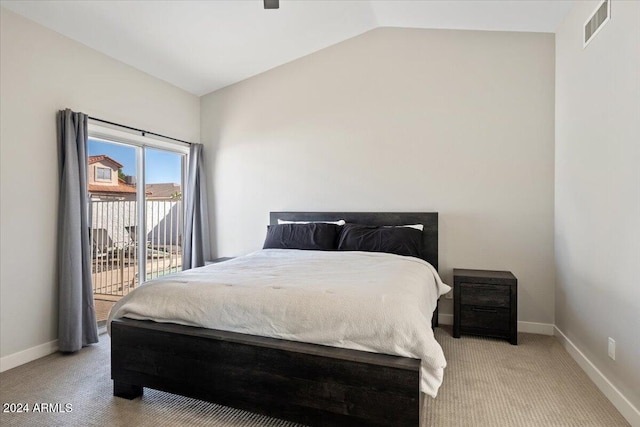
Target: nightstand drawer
(496,319)
(485,295)
(485,302)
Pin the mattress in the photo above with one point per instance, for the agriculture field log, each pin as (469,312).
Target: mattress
(364,301)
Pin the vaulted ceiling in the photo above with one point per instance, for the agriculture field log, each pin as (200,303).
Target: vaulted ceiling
(202,46)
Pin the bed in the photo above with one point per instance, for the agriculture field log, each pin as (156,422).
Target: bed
(318,385)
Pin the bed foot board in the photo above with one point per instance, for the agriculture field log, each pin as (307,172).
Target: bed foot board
(126,391)
(310,384)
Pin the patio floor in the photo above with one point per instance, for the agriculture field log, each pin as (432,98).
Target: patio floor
(102,309)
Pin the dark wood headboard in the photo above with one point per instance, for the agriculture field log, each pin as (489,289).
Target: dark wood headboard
(428,219)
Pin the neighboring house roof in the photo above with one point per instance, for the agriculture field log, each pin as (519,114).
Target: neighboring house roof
(101,157)
(122,187)
(162,190)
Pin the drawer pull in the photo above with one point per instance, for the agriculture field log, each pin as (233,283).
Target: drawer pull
(485,310)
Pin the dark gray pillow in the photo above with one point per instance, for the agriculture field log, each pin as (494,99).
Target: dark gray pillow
(369,238)
(313,236)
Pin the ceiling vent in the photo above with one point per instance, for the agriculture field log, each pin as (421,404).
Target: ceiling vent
(594,24)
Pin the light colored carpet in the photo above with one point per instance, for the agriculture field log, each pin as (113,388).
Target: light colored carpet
(487,383)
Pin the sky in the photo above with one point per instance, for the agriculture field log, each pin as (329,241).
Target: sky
(161,166)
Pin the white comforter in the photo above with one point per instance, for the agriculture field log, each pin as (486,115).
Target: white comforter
(359,300)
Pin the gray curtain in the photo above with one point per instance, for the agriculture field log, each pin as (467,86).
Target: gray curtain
(196,247)
(77,318)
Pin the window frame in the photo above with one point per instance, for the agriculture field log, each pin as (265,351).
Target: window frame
(115,135)
(97,174)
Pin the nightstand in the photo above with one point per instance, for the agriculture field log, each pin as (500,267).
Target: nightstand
(217,260)
(485,303)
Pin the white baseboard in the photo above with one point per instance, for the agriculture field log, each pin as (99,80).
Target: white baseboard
(622,404)
(536,328)
(528,327)
(20,358)
(445,319)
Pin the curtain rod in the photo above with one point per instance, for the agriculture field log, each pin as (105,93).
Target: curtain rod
(142,131)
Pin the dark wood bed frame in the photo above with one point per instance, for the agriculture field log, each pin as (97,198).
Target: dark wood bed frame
(307,383)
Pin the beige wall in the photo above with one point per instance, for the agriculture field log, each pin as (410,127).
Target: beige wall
(43,72)
(597,200)
(459,122)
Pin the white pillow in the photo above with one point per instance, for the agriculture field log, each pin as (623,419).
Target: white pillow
(339,222)
(416,226)
(342,222)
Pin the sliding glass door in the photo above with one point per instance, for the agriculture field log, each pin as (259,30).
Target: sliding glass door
(164,211)
(136,188)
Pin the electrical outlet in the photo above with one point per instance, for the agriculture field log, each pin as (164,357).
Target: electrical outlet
(612,348)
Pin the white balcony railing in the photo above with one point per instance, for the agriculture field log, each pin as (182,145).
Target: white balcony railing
(114,244)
